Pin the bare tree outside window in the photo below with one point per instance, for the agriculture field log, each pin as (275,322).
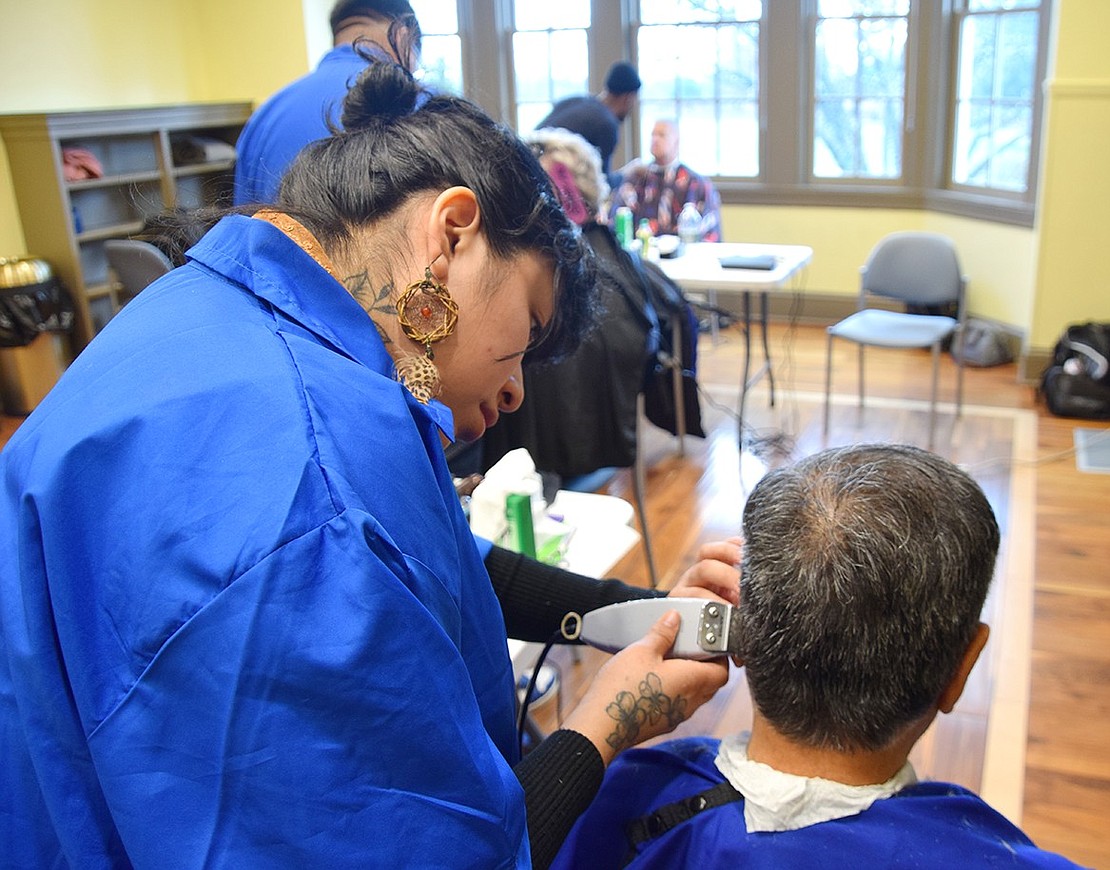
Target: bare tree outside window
(995,94)
(699,63)
(551,57)
(441,53)
(859,88)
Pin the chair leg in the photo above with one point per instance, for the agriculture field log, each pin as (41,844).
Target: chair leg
(959,385)
(639,484)
(678,388)
(933,394)
(859,358)
(828,381)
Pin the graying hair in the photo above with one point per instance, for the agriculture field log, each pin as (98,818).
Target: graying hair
(579,156)
(865,570)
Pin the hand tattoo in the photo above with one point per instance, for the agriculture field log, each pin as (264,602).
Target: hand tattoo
(652,705)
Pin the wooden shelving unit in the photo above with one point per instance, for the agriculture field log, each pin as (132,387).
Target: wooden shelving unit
(67,222)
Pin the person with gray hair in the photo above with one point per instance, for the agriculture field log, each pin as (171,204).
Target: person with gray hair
(574,167)
(580,415)
(864,573)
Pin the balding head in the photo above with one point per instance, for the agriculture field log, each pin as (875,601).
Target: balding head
(664,142)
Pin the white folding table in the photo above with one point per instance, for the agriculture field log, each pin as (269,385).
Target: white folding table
(698,269)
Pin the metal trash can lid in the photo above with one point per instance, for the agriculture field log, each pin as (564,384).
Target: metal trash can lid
(24,272)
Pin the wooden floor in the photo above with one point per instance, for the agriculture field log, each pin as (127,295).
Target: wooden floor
(1032,732)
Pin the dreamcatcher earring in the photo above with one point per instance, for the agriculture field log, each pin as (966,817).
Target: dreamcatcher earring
(427,314)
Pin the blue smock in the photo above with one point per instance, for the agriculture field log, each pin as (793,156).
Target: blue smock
(242,619)
(292,118)
(926,825)
(296,115)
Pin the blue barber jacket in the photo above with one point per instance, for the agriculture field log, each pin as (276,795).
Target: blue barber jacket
(242,619)
(926,825)
(292,118)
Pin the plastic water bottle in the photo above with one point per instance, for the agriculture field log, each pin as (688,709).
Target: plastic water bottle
(689,223)
(644,235)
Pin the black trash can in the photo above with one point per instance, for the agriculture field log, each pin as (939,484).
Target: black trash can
(36,312)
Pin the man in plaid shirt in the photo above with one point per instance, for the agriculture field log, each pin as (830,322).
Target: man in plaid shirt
(658,190)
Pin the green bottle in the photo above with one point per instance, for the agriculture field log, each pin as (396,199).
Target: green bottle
(518,513)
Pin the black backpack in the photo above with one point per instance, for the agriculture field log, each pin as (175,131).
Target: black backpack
(1077,384)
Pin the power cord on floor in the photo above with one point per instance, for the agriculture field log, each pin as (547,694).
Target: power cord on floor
(778,443)
(1008,462)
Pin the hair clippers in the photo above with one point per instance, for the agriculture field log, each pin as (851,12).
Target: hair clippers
(708,629)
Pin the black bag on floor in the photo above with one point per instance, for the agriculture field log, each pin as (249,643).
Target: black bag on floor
(1077,384)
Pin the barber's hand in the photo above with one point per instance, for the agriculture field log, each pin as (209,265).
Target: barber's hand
(716,575)
(639,694)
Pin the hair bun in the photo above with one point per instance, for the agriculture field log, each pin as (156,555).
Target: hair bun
(383,92)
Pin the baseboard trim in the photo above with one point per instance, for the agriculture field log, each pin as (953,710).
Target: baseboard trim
(822,309)
(1032,363)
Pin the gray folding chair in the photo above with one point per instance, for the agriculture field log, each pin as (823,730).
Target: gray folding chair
(919,269)
(135,263)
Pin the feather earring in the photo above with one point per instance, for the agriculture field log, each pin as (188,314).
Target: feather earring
(427,314)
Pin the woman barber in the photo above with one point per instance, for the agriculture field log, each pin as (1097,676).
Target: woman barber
(243,619)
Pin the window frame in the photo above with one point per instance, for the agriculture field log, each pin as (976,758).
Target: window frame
(785,112)
(549,32)
(960,13)
(905,140)
(641,126)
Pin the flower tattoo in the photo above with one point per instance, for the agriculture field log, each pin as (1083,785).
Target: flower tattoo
(653,705)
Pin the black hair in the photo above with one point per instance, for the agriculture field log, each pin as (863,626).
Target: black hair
(381,9)
(175,230)
(404,35)
(398,141)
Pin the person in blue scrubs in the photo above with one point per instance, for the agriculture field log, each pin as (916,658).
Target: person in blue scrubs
(308,109)
(864,573)
(243,621)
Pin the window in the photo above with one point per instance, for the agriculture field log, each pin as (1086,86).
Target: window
(441,48)
(903,103)
(995,90)
(550,55)
(699,64)
(859,87)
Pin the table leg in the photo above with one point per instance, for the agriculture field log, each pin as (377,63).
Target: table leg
(678,384)
(714,318)
(747,308)
(766,350)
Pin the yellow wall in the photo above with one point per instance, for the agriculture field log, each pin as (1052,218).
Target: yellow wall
(999,262)
(997,259)
(97,53)
(1073,271)
(61,54)
(840,237)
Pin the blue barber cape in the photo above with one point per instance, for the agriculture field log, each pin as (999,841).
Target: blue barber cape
(926,825)
(242,619)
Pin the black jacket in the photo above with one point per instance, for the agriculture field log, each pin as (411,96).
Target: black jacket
(579,415)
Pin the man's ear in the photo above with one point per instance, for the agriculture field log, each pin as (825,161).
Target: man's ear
(955,687)
(455,218)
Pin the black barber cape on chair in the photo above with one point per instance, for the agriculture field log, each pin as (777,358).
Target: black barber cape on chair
(581,415)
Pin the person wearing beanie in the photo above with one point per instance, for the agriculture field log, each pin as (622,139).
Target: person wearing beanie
(597,119)
(301,111)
